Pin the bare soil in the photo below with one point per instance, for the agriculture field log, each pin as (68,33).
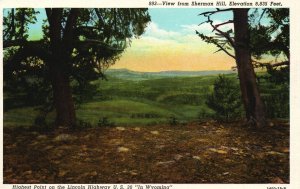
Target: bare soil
(209,152)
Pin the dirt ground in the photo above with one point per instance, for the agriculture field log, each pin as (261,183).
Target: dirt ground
(209,152)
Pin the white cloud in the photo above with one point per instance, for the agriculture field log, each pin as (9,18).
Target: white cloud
(190,28)
(153,30)
(206,28)
(157,39)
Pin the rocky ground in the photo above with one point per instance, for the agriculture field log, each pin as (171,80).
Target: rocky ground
(195,153)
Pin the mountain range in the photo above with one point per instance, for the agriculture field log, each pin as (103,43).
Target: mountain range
(135,75)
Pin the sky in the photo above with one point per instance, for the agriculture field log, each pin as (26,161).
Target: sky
(169,42)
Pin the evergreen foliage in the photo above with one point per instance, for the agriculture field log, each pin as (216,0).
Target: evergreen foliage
(225,99)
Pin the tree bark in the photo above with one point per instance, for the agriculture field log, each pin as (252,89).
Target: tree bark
(253,104)
(62,93)
(63,101)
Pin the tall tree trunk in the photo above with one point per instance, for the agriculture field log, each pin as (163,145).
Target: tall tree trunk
(62,92)
(253,104)
(63,102)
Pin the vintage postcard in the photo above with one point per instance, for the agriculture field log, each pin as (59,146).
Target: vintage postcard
(149,94)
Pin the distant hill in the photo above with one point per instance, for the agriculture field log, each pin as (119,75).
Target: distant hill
(135,75)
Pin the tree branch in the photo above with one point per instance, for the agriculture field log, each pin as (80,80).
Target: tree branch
(284,63)
(215,27)
(48,13)
(69,31)
(28,49)
(71,21)
(11,29)
(224,23)
(277,64)
(261,16)
(222,33)
(12,43)
(101,43)
(224,50)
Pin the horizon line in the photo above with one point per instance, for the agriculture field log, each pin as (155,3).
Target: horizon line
(167,70)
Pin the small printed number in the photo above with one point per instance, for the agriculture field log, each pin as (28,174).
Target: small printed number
(261,3)
(151,3)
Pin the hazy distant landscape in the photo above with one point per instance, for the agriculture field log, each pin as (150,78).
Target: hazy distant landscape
(134,75)
(133,98)
(136,98)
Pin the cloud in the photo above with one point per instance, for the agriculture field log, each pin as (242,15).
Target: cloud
(190,28)
(157,40)
(153,30)
(205,28)
(159,49)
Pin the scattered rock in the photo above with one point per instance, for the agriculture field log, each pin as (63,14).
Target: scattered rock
(155,132)
(94,173)
(271,124)
(268,147)
(285,150)
(160,146)
(201,140)
(34,133)
(11,146)
(234,149)
(165,162)
(27,172)
(224,147)
(177,157)
(15,181)
(84,154)
(133,173)
(277,180)
(88,136)
(123,149)
(64,138)
(33,181)
(34,143)
(89,160)
(88,175)
(218,151)
(84,147)
(275,153)
(64,147)
(48,147)
(62,173)
(116,141)
(137,129)
(196,157)
(226,173)
(56,162)
(120,128)
(42,137)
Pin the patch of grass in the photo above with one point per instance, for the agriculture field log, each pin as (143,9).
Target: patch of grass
(136,102)
(24,116)
(122,111)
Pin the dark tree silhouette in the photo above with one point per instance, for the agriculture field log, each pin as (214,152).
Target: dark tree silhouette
(253,103)
(77,45)
(239,41)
